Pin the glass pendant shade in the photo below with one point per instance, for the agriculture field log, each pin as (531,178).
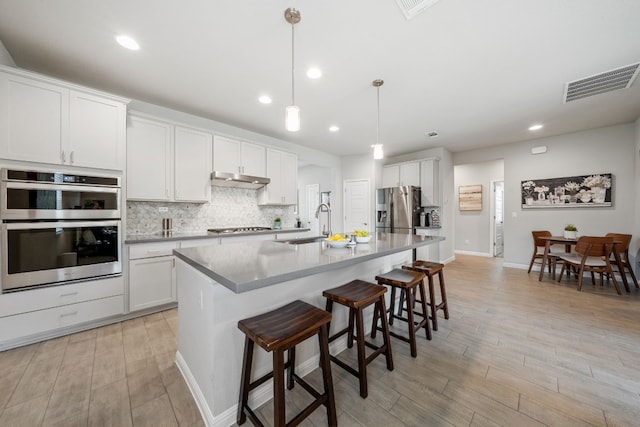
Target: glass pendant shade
(292,118)
(377,152)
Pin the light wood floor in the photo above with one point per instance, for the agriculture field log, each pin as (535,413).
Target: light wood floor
(515,352)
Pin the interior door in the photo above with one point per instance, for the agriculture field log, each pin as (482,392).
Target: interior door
(357,202)
(498,217)
(313,200)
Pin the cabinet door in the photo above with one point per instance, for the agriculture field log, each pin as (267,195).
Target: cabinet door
(96,131)
(289,178)
(148,160)
(192,160)
(226,154)
(282,169)
(429,252)
(152,282)
(33,118)
(390,176)
(253,159)
(430,182)
(410,174)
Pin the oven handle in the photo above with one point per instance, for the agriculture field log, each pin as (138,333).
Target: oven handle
(59,187)
(39,225)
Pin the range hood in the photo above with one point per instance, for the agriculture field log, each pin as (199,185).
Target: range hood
(236,180)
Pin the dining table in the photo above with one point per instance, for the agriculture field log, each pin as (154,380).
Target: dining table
(569,242)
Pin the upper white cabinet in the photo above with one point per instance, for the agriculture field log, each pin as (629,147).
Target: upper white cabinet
(166,162)
(282,169)
(430,182)
(45,122)
(401,174)
(235,156)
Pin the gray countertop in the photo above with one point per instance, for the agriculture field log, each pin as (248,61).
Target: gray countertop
(162,237)
(248,265)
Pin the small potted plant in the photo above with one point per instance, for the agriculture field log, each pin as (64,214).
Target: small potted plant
(277,223)
(570,231)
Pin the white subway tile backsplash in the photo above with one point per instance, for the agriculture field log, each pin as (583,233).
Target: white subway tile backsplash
(229,207)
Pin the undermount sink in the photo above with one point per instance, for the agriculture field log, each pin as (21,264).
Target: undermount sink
(303,240)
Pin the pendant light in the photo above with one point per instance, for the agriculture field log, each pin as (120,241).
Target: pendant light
(377,147)
(292,112)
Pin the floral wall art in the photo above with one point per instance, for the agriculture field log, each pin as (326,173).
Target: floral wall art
(568,192)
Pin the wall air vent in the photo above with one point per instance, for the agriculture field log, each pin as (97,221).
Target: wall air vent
(411,8)
(620,78)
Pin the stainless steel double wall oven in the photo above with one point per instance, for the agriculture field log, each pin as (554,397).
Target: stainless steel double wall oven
(58,227)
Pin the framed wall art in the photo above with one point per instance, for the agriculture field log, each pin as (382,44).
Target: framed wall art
(470,197)
(568,192)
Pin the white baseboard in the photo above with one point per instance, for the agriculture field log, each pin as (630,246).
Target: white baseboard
(482,254)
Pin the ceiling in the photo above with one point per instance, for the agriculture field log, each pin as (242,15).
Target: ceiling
(478,73)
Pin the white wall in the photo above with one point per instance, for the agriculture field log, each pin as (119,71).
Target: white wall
(325,178)
(472,228)
(5,56)
(604,150)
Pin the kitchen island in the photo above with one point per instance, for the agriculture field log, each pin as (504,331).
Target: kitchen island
(221,284)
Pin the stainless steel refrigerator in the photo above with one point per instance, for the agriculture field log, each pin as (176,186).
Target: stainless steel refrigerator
(397,209)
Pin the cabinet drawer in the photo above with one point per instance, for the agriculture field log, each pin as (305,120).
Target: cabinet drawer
(22,325)
(149,250)
(55,296)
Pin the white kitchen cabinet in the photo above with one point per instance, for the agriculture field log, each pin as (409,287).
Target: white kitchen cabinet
(429,252)
(152,275)
(192,165)
(235,156)
(430,182)
(282,169)
(46,122)
(401,174)
(166,162)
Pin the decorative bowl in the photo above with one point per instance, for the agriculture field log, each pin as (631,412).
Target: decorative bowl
(363,239)
(338,243)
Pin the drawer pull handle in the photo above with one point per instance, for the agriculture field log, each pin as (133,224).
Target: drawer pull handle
(73,313)
(70,294)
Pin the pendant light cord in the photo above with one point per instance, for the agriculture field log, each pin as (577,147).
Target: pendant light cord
(378,121)
(293,95)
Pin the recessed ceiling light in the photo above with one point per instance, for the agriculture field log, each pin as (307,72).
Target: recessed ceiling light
(314,73)
(265,99)
(128,42)
(535,127)
(334,128)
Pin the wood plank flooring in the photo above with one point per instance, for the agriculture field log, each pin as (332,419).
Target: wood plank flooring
(515,352)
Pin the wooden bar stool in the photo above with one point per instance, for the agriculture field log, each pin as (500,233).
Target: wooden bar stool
(357,295)
(406,281)
(430,269)
(278,331)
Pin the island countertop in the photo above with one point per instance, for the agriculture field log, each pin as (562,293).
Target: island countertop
(245,266)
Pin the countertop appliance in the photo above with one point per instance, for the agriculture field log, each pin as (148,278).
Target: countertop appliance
(232,230)
(58,227)
(398,209)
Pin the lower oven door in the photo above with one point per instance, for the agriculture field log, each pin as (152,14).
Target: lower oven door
(42,253)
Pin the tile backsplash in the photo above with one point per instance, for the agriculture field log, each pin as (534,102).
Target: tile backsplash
(229,207)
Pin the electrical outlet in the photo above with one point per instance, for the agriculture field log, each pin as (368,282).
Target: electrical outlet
(163,209)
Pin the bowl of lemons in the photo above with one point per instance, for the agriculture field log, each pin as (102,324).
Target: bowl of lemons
(362,236)
(337,241)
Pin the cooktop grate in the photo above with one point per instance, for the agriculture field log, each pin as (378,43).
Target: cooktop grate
(238,229)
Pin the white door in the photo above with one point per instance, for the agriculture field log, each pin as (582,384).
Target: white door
(313,200)
(498,217)
(357,203)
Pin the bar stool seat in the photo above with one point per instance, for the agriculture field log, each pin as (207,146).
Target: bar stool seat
(357,295)
(407,281)
(278,331)
(430,269)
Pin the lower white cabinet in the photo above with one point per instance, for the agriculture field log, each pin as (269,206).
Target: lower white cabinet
(152,275)
(429,252)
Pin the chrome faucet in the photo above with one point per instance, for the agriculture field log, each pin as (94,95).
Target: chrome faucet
(328,233)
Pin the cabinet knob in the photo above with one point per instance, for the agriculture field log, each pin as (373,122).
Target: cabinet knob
(63,157)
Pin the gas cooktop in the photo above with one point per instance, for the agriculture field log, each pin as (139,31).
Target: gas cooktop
(238,229)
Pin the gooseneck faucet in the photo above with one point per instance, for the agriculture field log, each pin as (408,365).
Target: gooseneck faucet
(328,233)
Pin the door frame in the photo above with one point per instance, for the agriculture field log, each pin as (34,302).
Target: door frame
(492,221)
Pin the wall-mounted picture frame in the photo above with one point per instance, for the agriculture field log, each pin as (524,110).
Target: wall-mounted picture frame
(325,197)
(581,191)
(470,197)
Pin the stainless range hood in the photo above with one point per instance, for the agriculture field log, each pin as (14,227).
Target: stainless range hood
(227,179)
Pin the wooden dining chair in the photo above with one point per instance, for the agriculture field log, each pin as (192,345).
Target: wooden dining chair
(538,251)
(622,247)
(591,255)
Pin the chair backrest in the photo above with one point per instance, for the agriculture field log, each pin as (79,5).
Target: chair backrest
(623,239)
(594,246)
(537,242)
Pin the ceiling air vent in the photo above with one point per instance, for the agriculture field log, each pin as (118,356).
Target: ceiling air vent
(620,78)
(412,8)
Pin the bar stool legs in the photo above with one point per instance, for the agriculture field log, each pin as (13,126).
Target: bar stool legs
(279,331)
(430,269)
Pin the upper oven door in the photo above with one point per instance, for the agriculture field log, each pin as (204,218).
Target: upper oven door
(33,200)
